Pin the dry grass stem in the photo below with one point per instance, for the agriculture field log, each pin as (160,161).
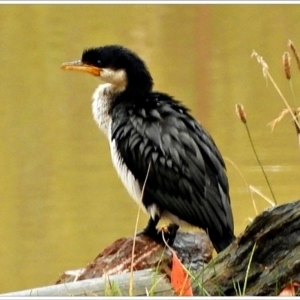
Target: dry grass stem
(267,74)
(261,61)
(281,116)
(295,53)
(134,239)
(239,107)
(246,183)
(286,61)
(278,119)
(174,252)
(258,192)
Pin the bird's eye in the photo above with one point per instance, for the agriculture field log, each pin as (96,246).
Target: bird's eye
(99,62)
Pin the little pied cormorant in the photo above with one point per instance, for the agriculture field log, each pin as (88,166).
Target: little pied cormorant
(167,161)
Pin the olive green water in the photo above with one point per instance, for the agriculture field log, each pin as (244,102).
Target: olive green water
(61,201)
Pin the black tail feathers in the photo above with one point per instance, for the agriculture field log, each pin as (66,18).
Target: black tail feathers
(220,243)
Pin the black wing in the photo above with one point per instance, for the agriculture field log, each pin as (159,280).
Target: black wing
(187,173)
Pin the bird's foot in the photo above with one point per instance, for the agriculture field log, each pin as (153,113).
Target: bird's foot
(164,234)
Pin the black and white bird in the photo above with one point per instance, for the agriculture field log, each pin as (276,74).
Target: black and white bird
(167,161)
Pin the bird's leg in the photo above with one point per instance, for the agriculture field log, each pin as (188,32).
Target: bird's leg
(169,232)
(150,229)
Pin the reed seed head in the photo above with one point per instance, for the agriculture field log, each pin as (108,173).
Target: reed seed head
(291,45)
(240,111)
(286,61)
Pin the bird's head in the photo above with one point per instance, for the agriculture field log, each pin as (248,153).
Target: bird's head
(116,65)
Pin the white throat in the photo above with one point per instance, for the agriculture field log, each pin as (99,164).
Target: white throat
(103,98)
(105,94)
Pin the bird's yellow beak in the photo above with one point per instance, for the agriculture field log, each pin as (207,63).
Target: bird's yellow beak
(80,66)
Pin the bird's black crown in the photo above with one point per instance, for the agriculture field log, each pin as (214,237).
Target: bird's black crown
(117,57)
(113,56)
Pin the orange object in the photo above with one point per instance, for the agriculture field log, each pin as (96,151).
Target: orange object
(289,290)
(180,280)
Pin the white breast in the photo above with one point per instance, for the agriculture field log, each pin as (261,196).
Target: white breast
(102,101)
(125,175)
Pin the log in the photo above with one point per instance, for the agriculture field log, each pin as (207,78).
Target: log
(260,262)
(116,285)
(269,248)
(193,249)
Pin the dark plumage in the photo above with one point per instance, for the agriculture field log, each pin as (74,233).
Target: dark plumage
(150,131)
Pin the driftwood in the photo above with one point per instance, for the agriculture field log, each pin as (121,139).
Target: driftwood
(270,247)
(116,285)
(193,249)
(261,261)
